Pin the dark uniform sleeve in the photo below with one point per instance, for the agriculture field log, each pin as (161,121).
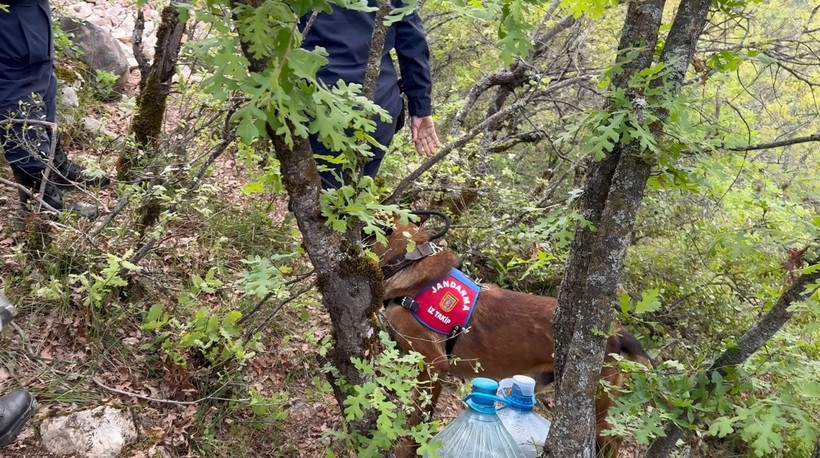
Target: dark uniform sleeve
(414,57)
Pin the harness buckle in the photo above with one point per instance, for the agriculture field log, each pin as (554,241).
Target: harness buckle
(409,303)
(455,331)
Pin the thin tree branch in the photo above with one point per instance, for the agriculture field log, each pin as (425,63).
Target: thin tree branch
(752,341)
(778,144)
(448,148)
(28,192)
(156,400)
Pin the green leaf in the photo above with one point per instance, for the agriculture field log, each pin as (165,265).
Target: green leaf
(722,426)
(649,301)
(624,301)
(229,326)
(765,430)
(153,319)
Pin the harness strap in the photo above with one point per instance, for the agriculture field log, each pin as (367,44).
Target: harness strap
(413,305)
(421,251)
(451,340)
(410,303)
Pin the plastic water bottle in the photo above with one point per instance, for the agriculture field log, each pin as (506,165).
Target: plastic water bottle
(478,432)
(525,426)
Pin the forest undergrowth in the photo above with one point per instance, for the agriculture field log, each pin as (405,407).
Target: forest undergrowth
(192,302)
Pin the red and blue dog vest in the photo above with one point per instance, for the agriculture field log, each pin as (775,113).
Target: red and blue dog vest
(448,304)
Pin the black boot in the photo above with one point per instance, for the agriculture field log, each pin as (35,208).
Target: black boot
(52,195)
(15,410)
(69,175)
(31,181)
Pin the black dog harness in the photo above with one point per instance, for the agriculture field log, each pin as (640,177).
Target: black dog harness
(413,305)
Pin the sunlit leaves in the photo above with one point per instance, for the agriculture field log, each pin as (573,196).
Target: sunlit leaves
(593,9)
(513,31)
(393,379)
(649,302)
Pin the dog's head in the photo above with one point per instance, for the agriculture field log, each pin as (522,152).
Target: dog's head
(403,237)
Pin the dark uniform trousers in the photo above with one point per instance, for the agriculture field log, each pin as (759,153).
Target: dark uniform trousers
(28,85)
(345,35)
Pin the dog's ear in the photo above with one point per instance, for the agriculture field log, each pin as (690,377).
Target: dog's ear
(423,217)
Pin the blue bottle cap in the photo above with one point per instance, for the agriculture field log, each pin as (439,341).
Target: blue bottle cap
(485,385)
(520,400)
(482,398)
(522,392)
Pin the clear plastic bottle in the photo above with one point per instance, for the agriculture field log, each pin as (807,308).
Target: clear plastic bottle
(478,432)
(525,426)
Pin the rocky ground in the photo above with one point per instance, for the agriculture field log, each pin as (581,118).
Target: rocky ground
(117,18)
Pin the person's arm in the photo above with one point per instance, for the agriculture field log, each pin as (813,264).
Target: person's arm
(414,63)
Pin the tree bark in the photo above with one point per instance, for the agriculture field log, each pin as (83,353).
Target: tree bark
(350,283)
(155,86)
(752,341)
(613,192)
(586,294)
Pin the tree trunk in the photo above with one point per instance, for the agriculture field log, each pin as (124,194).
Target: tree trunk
(752,341)
(155,86)
(350,283)
(613,192)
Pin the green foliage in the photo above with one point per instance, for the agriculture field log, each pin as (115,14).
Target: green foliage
(269,409)
(649,302)
(263,278)
(593,9)
(739,405)
(285,96)
(347,206)
(390,393)
(95,287)
(63,45)
(216,337)
(632,114)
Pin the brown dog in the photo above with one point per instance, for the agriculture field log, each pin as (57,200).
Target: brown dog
(509,333)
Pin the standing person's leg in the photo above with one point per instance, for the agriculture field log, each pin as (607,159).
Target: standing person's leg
(15,410)
(385,131)
(383,134)
(25,142)
(26,69)
(18,406)
(66,172)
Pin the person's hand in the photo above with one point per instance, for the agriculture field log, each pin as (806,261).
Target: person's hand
(424,135)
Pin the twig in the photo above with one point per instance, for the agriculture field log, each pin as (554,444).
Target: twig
(778,144)
(448,148)
(23,336)
(251,312)
(136,40)
(292,298)
(108,218)
(150,399)
(20,187)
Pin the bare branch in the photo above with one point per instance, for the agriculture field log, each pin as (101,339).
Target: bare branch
(778,144)
(136,40)
(753,340)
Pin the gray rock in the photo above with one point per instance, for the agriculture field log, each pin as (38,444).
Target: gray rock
(70,98)
(97,128)
(99,49)
(81,10)
(92,125)
(97,433)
